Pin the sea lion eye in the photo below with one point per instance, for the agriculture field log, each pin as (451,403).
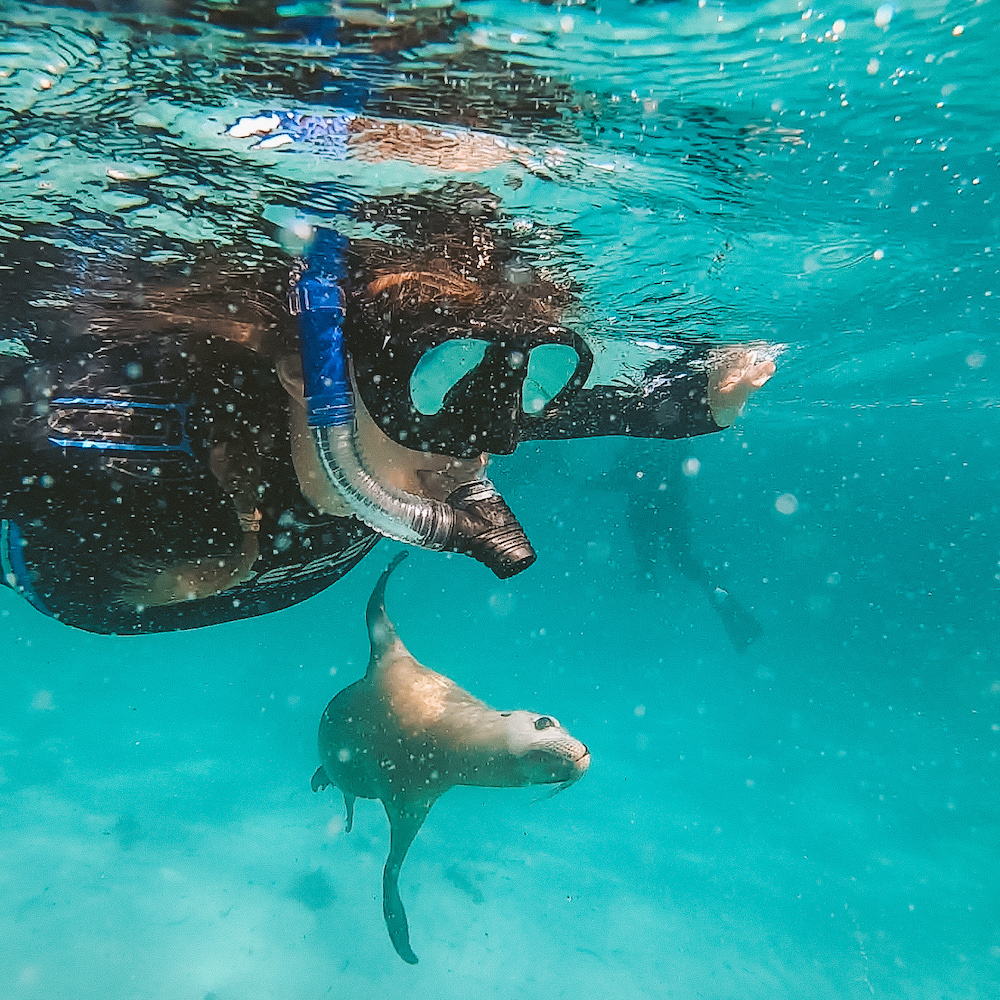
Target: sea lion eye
(505,715)
(544,722)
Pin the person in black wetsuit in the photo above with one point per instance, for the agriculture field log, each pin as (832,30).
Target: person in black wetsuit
(155,470)
(659,521)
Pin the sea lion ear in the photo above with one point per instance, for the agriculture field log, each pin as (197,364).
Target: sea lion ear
(381,632)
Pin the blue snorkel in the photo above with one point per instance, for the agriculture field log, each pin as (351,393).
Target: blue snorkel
(318,300)
(474,519)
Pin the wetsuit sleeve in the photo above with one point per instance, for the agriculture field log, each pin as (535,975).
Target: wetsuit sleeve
(669,400)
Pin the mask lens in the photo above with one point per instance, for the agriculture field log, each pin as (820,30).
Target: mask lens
(550,367)
(440,369)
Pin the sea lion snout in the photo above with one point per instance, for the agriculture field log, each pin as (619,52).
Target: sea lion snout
(562,766)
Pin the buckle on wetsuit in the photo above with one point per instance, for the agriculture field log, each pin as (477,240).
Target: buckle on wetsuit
(118,425)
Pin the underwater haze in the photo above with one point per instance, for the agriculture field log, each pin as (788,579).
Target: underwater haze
(812,815)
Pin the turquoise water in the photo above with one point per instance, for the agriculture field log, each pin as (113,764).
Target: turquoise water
(815,817)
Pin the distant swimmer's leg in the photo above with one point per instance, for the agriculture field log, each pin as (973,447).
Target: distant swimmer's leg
(659,517)
(740,625)
(660,526)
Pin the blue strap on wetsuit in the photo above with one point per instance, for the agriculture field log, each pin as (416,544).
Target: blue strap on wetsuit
(13,567)
(75,422)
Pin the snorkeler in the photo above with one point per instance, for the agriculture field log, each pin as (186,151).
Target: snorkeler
(659,521)
(165,457)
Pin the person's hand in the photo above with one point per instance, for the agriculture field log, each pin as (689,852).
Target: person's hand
(735,375)
(144,584)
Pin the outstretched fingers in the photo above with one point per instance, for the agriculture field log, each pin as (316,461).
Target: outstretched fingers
(736,375)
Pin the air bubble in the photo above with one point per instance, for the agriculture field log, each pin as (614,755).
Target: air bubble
(883,16)
(787,503)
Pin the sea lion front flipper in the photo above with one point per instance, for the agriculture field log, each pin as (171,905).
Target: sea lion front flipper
(404,822)
(321,780)
(380,630)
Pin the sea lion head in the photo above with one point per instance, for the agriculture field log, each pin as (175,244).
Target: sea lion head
(541,751)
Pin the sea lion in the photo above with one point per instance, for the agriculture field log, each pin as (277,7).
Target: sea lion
(405,734)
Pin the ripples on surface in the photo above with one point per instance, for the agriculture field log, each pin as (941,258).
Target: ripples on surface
(739,168)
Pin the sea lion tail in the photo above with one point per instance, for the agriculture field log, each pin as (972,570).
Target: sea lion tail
(404,822)
(395,916)
(380,629)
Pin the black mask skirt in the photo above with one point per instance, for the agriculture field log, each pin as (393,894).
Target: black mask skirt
(486,408)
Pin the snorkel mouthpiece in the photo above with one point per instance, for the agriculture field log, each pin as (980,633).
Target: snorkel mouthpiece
(474,519)
(487,530)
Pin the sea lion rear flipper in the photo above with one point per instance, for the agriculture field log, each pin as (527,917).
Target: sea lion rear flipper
(319,780)
(349,806)
(404,822)
(380,629)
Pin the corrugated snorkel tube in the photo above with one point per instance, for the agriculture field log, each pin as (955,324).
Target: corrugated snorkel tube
(474,519)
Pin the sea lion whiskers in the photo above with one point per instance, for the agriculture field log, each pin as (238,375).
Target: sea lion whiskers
(561,787)
(405,734)
(582,762)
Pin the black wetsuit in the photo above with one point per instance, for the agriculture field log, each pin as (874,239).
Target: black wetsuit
(104,459)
